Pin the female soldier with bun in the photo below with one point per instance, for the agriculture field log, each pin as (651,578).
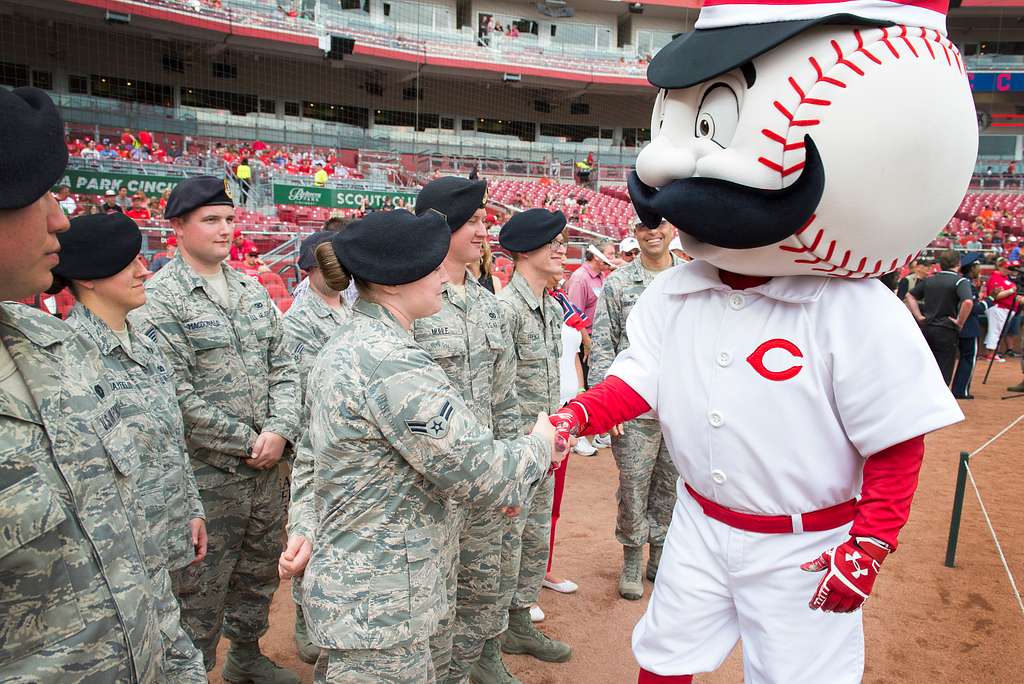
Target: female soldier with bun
(389,441)
(102,265)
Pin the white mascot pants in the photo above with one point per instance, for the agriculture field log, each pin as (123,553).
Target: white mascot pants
(718,584)
(996,320)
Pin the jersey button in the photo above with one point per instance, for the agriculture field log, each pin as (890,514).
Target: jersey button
(736,301)
(716,419)
(724,359)
(718,476)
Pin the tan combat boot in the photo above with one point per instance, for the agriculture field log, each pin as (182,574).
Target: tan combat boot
(631,581)
(522,637)
(490,669)
(245,664)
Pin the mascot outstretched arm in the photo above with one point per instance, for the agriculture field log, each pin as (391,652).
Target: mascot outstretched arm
(801,149)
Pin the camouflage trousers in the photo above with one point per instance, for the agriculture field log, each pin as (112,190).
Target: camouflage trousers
(647,484)
(233,586)
(479,611)
(410,664)
(441,640)
(525,547)
(182,662)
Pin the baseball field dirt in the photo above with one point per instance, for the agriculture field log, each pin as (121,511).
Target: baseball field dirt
(924,623)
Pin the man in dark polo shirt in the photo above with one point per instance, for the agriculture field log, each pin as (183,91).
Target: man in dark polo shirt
(941,305)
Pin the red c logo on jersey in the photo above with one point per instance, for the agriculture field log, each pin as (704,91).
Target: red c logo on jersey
(756,360)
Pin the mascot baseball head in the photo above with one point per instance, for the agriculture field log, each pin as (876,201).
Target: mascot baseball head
(807,138)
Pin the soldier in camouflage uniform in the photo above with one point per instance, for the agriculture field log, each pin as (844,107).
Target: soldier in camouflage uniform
(78,605)
(390,441)
(306,327)
(535,238)
(101,264)
(647,476)
(468,338)
(239,399)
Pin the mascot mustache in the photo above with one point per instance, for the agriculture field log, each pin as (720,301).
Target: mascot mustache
(730,215)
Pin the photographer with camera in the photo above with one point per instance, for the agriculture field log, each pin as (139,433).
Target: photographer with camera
(947,301)
(1002,289)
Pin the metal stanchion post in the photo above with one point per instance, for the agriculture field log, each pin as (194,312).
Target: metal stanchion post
(958,507)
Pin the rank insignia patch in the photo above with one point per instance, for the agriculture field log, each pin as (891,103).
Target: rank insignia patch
(436,427)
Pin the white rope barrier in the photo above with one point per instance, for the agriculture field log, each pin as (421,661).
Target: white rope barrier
(997,436)
(991,529)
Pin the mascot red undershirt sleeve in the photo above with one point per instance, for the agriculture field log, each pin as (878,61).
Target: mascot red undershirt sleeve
(794,146)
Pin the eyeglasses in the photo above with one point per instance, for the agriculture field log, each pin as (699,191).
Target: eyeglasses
(557,245)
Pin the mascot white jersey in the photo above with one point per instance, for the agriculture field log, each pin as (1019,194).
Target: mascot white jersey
(800,148)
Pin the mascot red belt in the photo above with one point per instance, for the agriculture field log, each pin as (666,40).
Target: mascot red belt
(800,148)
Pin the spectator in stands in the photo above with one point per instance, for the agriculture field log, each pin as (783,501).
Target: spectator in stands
(90,151)
(240,246)
(1002,290)
(139,211)
(123,200)
(320,176)
(66,201)
(251,264)
(513,31)
(941,304)
(161,261)
(974,244)
(474,173)
(110,203)
(243,172)
(1014,254)
(918,271)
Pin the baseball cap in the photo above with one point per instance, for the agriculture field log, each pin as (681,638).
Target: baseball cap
(629,244)
(110,193)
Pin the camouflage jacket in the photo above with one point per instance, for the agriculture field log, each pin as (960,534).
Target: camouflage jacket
(233,379)
(536,329)
(621,290)
(390,440)
(306,328)
(469,339)
(144,389)
(77,601)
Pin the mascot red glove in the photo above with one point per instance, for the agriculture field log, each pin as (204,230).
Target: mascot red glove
(890,480)
(850,572)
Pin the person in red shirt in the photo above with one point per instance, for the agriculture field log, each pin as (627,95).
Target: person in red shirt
(240,247)
(1000,288)
(139,211)
(251,265)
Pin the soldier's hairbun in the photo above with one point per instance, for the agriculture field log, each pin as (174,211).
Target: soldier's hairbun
(335,275)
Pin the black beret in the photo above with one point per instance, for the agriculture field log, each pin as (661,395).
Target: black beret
(98,246)
(201,191)
(33,155)
(393,247)
(457,198)
(307,258)
(531,229)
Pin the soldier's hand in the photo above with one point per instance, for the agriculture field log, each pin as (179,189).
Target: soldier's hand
(617,430)
(544,429)
(267,450)
(198,528)
(294,557)
(511,511)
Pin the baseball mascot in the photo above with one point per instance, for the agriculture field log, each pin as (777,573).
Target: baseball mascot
(801,149)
